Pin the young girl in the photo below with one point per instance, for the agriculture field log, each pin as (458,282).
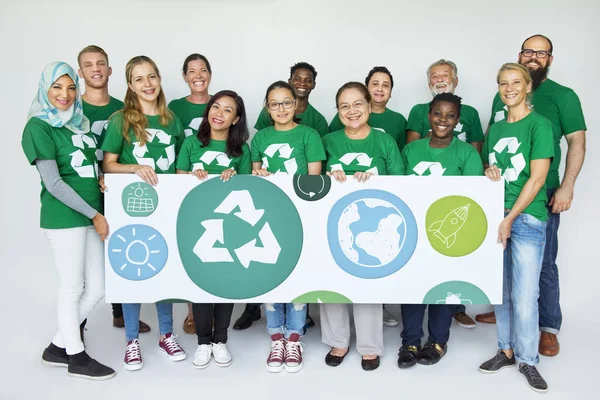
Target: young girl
(453,157)
(143,139)
(223,130)
(70,215)
(285,147)
(190,110)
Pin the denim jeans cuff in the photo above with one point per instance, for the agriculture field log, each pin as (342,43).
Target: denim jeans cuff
(288,333)
(533,363)
(275,331)
(550,330)
(505,346)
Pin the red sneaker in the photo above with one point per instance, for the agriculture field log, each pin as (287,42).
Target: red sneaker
(276,357)
(293,353)
(133,356)
(170,346)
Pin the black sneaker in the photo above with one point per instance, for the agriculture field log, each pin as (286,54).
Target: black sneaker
(92,370)
(431,353)
(407,357)
(534,379)
(55,356)
(498,362)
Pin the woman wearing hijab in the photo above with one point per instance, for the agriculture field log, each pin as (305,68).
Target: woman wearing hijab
(58,141)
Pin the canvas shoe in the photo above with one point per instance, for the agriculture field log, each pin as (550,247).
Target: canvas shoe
(202,356)
(497,363)
(221,354)
(534,379)
(276,359)
(133,356)
(293,353)
(171,347)
(55,356)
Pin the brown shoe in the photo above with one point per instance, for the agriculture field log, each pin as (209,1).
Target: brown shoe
(549,345)
(120,323)
(144,327)
(464,320)
(486,318)
(189,326)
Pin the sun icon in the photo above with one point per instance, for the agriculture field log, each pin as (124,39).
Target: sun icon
(139,199)
(137,252)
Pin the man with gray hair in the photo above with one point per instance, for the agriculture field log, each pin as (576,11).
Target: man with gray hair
(442,76)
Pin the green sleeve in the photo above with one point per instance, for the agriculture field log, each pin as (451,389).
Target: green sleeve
(255,148)
(245,164)
(495,108)
(393,162)
(336,124)
(263,120)
(113,139)
(571,114)
(415,121)
(322,126)
(476,134)
(473,165)
(180,134)
(314,147)
(37,141)
(542,140)
(184,155)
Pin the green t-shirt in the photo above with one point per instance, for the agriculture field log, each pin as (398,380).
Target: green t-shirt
(459,158)
(75,156)
(512,147)
(212,158)
(190,114)
(310,117)
(468,128)
(98,116)
(388,121)
(377,153)
(562,107)
(159,151)
(287,151)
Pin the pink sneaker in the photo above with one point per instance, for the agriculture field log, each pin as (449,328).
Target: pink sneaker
(276,357)
(293,353)
(170,346)
(133,356)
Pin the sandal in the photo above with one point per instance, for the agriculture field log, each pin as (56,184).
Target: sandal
(334,361)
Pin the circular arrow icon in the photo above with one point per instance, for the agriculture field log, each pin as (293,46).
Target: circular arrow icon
(312,187)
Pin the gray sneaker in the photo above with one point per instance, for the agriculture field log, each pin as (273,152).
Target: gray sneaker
(389,319)
(496,363)
(534,379)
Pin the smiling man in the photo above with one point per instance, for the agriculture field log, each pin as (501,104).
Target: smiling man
(562,107)
(303,78)
(442,76)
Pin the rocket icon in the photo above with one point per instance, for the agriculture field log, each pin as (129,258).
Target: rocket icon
(446,230)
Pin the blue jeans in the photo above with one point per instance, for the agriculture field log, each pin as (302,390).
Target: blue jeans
(131,316)
(517,316)
(549,302)
(285,318)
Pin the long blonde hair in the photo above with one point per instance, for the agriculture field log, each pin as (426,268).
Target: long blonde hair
(133,116)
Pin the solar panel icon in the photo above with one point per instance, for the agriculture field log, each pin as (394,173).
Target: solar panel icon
(139,199)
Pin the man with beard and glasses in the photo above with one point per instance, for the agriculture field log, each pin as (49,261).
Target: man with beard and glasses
(442,76)
(561,106)
(98,106)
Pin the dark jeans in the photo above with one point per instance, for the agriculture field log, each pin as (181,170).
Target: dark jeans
(440,318)
(117,310)
(212,321)
(460,308)
(549,300)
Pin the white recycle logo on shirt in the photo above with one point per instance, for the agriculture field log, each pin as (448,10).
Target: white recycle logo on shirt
(209,157)
(434,168)
(139,152)
(500,115)
(194,125)
(362,159)
(205,247)
(97,128)
(78,157)
(285,151)
(511,144)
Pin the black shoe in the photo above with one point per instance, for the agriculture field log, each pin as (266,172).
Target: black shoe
(55,356)
(334,361)
(431,353)
(534,379)
(91,369)
(498,362)
(407,357)
(370,365)
(250,314)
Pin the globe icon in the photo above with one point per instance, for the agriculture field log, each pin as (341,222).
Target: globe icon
(371,233)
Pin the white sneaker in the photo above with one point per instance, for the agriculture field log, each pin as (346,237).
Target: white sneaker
(202,356)
(389,319)
(222,356)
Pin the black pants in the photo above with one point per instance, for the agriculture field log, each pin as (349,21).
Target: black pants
(205,314)
(117,313)
(440,318)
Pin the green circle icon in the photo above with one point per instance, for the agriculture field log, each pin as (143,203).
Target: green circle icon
(456,292)
(456,226)
(238,239)
(322,296)
(139,199)
(311,187)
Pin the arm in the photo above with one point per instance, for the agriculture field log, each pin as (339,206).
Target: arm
(64,193)
(111,164)
(561,201)
(477,145)
(314,168)
(257,169)
(411,136)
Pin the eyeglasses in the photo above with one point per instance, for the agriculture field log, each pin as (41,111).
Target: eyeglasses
(274,106)
(538,53)
(358,104)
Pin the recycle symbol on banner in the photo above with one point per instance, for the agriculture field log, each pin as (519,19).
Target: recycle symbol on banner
(238,239)
(517,161)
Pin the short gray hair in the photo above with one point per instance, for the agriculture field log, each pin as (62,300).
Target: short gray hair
(444,62)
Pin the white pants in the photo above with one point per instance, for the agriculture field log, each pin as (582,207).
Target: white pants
(79,259)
